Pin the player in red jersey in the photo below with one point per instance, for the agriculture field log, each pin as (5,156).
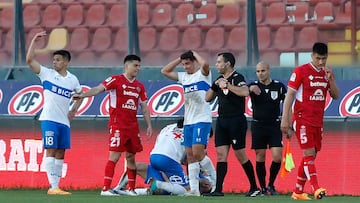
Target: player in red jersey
(126,94)
(308,86)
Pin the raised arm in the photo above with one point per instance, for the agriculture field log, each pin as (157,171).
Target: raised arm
(169,70)
(33,64)
(204,66)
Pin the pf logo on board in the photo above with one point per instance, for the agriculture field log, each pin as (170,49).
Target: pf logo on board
(350,104)
(27,101)
(167,101)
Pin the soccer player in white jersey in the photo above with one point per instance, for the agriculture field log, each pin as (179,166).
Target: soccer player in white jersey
(165,172)
(197,124)
(58,86)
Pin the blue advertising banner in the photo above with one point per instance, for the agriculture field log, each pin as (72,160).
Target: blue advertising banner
(165,99)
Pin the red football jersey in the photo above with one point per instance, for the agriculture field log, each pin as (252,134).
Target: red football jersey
(311,85)
(124,97)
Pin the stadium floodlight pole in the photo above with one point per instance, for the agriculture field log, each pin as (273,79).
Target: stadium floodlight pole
(19,35)
(133,32)
(252,40)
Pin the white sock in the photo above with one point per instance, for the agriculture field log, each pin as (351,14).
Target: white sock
(58,171)
(194,170)
(207,165)
(172,188)
(50,171)
(141,191)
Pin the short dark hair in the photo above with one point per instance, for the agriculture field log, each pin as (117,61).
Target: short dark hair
(188,55)
(228,57)
(320,48)
(64,53)
(131,57)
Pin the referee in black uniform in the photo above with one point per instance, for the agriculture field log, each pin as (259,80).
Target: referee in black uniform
(231,125)
(266,95)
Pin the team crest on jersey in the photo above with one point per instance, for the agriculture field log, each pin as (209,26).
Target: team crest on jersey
(274,95)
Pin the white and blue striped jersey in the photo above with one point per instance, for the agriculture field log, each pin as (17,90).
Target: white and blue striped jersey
(168,143)
(195,87)
(57,92)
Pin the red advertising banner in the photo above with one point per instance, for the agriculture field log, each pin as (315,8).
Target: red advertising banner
(21,159)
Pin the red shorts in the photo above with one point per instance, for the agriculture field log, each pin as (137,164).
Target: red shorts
(124,140)
(308,136)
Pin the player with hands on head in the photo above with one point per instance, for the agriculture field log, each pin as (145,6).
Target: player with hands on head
(307,89)
(58,85)
(126,93)
(197,118)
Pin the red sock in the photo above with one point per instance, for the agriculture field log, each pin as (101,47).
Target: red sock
(310,171)
(132,177)
(301,179)
(109,174)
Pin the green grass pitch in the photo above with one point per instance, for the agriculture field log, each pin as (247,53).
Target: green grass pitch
(93,196)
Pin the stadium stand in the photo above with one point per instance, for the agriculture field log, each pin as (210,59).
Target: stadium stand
(230,15)
(58,39)
(284,39)
(237,39)
(207,15)
(147,38)
(31,15)
(214,39)
(297,13)
(343,14)
(325,15)
(95,16)
(117,16)
(79,39)
(191,38)
(184,15)
(7,18)
(101,39)
(120,40)
(306,37)
(264,37)
(143,14)
(275,15)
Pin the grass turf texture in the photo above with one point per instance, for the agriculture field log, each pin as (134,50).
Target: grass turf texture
(93,196)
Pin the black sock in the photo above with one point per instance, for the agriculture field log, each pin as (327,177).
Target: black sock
(249,170)
(274,170)
(261,173)
(221,170)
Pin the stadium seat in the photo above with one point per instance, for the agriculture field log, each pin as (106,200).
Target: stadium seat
(161,15)
(110,58)
(101,39)
(95,15)
(271,57)
(58,39)
(275,15)
(297,13)
(169,39)
(237,39)
(231,15)
(84,58)
(79,39)
(343,14)
(264,37)
(7,18)
(74,16)
(5,59)
(31,15)
(214,39)
(120,40)
(206,15)
(192,38)
(147,38)
(153,58)
(325,15)
(306,38)
(52,16)
(143,14)
(260,10)
(117,15)
(184,15)
(284,38)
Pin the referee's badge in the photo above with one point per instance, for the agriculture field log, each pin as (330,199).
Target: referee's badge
(274,95)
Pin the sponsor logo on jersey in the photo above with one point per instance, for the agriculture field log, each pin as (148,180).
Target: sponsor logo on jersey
(167,101)
(350,104)
(131,93)
(318,84)
(130,104)
(317,96)
(27,101)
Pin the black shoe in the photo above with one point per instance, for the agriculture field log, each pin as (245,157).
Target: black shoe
(263,192)
(252,193)
(272,191)
(213,194)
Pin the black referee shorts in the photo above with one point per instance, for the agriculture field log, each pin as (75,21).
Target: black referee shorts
(266,134)
(231,131)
